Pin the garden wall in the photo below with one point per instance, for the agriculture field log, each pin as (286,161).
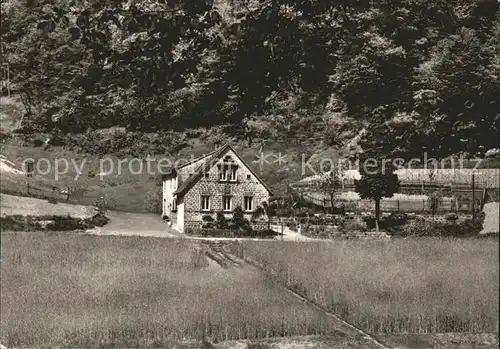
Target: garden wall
(322,231)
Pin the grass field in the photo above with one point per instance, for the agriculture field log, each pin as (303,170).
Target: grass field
(16,205)
(416,286)
(84,291)
(81,291)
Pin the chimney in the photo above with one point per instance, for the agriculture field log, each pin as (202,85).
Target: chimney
(217,145)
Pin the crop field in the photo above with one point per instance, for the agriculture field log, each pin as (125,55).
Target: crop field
(80,291)
(83,291)
(403,286)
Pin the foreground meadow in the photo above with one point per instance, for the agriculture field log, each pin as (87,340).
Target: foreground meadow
(402,286)
(109,291)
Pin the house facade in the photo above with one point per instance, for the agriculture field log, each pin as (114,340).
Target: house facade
(216,182)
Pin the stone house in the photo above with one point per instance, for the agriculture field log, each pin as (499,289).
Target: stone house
(218,181)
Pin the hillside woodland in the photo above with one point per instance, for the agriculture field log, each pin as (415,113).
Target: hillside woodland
(313,72)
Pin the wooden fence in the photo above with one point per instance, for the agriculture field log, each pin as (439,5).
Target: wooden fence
(457,179)
(37,192)
(393,205)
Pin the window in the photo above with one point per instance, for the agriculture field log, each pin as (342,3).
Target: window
(207,175)
(223,172)
(248,203)
(234,173)
(174,205)
(249,177)
(228,169)
(226,203)
(205,203)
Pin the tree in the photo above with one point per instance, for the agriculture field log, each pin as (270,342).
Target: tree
(239,221)
(104,203)
(90,65)
(264,210)
(425,73)
(153,201)
(77,190)
(435,200)
(220,220)
(377,186)
(330,184)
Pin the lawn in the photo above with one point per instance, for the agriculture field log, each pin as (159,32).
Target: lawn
(399,286)
(83,291)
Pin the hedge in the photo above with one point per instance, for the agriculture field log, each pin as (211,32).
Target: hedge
(57,223)
(227,233)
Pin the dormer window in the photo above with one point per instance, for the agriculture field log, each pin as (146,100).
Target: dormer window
(223,173)
(228,170)
(234,174)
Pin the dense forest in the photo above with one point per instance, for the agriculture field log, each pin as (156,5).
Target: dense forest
(417,75)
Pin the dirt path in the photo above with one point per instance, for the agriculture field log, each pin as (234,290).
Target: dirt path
(349,336)
(290,235)
(136,224)
(217,252)
(491,220)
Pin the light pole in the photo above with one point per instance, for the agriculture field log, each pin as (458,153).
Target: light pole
(474,196)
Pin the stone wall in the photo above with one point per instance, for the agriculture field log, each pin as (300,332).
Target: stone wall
(333,232)
(258,225)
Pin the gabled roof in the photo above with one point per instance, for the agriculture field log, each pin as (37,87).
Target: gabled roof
(199,158)
(172,170)
(205,166)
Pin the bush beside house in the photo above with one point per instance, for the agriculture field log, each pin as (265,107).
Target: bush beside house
(236,226)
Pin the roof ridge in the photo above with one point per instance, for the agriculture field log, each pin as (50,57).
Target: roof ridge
(199,158)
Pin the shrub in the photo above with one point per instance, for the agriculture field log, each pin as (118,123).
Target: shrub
(435,201)
(4,136)
(451,217)
(37,142)
(215,232)
(264,233)
(99,220)
(208,222)
(207,218)
(292,226)
(304,212)
(153,202)
(209,225)
(395,219)
(13,223)
(239,222)
(57,140)
(315,220)
(221,221)
(229,233)
(423,228)
(353,225)
(284,212)
(52,201)
(104,203)
(65,223)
